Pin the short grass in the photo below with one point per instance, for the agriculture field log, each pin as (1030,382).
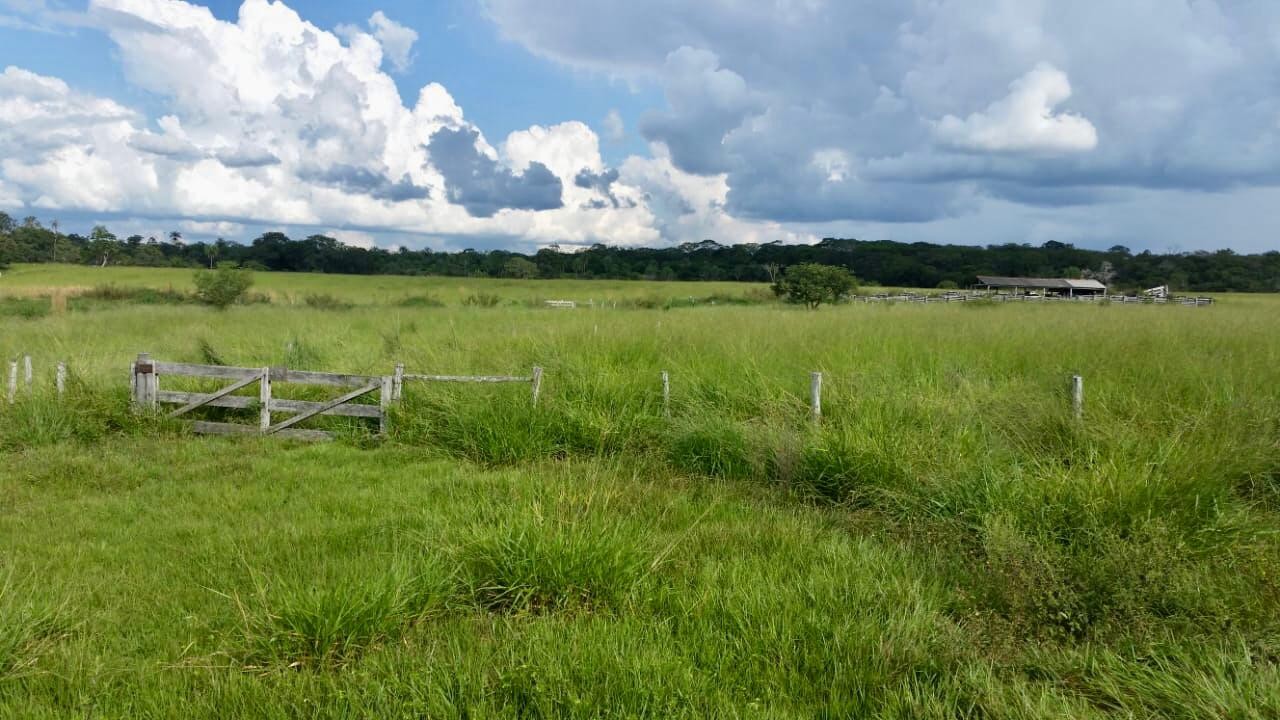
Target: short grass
(950,542)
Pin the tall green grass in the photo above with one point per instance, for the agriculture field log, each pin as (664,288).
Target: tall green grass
(949,541)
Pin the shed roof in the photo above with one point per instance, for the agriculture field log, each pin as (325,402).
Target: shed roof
(1044,283)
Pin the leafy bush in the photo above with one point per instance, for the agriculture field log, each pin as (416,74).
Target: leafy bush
(223,287)
(325,301)
(484,300)
(421,301)
(811,284)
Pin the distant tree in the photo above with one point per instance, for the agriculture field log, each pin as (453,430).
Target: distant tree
(175,237)
(1104,274)
(772,268)
(211,252)
(948,285)
(811,284)
(102,245)
(8,251)
(518,267)
(222,287)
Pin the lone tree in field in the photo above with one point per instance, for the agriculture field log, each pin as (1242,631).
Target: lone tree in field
(812,284)
(222,287)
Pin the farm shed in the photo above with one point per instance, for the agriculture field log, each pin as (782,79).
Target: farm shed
(1047,286)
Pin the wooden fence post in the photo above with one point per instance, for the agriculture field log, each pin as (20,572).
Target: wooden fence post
(26,371)
(264,400)
(145,386)
(1077,396)
(815,396)
(537,384)
(666,394)
(397,388)
(13,381)
(60,379)
(385,398)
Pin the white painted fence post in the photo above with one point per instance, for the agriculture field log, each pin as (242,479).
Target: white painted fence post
(666,394)
(397,388)
(264,400)
(815,396)
(13,381)
(1077,396)
(537,384)
(60,379)
(26,371)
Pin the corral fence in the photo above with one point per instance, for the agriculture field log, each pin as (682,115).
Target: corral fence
(147,395)
(951,297)
(145,375)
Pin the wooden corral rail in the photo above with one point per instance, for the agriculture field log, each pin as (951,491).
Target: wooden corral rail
(145,384)
(398,380)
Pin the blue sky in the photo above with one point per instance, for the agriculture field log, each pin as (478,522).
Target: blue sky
(520,123)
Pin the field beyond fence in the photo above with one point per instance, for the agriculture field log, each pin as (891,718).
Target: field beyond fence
(965,531)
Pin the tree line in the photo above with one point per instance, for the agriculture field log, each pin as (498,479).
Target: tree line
(878,262)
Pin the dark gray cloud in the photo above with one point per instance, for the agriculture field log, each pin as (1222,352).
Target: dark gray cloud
(705,103)
(482,186)
(1178,94)
(351,179)
(601,182)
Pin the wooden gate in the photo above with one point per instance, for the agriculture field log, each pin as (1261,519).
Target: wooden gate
(145,384)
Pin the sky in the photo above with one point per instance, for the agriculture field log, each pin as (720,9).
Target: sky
(1153,124)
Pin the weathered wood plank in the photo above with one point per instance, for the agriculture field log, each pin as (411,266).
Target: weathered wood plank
(324,406)
(307,377)
(205,399)
(216,428)
(469,378)
(210,371)
(278,405)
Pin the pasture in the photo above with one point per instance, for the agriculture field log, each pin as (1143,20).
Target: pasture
(949,542)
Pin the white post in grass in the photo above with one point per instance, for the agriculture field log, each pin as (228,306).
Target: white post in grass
(264,400)
(61,379)
(537,384)
(1077,396)
(815,397)
(666,394)
(26,371)
(397,386)
(13,381)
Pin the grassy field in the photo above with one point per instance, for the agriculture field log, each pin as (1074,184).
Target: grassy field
(948,543)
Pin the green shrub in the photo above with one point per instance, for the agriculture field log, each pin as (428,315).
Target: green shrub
(325,301)
(811,284)
(421,301)
(484,300)
(223,287)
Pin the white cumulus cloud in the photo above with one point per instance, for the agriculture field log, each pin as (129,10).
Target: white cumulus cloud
(397,40)
(1024,121)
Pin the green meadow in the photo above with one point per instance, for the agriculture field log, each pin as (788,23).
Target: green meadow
(950,541)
